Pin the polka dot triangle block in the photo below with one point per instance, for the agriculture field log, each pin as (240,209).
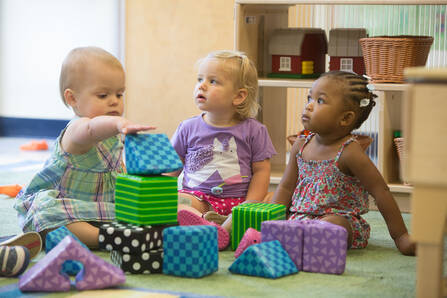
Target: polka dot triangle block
(267,259)
(324,247)
(150,154)
(143,263)
(146,200)
(53,238)
(129,238)
(46,275)
(190,251)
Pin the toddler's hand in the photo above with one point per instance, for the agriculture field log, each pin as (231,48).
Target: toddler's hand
(405,245)
(127,127)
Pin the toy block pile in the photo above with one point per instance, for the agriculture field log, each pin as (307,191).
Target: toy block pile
(312,245)
(145,204)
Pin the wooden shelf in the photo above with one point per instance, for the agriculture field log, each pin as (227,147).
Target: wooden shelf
(346,2)
(295,83)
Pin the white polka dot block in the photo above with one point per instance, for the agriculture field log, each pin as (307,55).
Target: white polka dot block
(144,263)
(130,239)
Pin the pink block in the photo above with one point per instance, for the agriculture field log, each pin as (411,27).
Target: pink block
(250,237)
(46,276)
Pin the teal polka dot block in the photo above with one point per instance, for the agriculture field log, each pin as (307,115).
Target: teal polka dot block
(190,251)
(150,154)
(53,238)
(267,259)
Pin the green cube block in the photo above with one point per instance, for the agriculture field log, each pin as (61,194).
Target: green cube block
(146,200)
(250,215)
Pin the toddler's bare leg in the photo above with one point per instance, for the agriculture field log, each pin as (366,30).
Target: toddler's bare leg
(85,232)
(341,221)
(187,200)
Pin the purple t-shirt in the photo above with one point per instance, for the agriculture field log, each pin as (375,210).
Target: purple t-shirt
(218,159)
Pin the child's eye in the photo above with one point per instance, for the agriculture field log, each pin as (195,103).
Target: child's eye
(119,95)
(309,99)
(320,100)
(212,81)
(102,95)
(199,80)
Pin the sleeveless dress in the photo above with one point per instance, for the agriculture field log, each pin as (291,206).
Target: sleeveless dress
(322,190)
(72,188)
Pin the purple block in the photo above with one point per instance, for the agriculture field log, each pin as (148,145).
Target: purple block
(313,245)
(324,247)
(46,275)
(290,234)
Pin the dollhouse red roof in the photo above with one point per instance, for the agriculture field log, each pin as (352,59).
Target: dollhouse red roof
(288,41)
(344,42)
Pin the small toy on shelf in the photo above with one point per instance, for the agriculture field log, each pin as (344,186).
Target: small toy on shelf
(345,51)
(297,53)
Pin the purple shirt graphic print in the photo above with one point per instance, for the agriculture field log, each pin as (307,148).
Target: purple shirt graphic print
(218,160)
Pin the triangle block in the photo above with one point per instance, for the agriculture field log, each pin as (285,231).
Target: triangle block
(267,259)
(46,276)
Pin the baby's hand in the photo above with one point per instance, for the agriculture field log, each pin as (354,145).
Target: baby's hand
(405,245)
(127,127)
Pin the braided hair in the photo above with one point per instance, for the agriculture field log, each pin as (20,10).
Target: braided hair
(358,96)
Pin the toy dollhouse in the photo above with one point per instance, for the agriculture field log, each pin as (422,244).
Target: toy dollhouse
(345,51)
(297,53)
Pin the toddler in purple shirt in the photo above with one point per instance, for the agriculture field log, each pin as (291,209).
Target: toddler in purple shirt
(225,151)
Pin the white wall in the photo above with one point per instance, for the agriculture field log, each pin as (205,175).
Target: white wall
(35,36)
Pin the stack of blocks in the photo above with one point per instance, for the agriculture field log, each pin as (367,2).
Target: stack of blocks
(145,204)
(313,245)
(251,215)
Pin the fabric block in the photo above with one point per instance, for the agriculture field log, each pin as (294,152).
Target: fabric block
(251,237)
(129,238)
(290,233)
(146,200)
(150,154)
(324,247)
(190,251)
(250,215)
(267,259)
(53,238)
(46,275)
(143,263)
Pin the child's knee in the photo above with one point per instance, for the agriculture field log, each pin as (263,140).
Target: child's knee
(340,221)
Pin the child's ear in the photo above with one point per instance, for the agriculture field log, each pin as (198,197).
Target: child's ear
(348,118)
(69,97)
(241,95)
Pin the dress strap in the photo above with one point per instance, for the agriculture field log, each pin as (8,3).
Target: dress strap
(300,153)
(342,147)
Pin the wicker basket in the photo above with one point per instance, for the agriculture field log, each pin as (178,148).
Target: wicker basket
(402,154)
(387,56)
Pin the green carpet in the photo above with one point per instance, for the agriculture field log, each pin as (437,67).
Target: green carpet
(377,271)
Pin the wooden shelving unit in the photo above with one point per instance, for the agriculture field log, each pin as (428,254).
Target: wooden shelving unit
(254,22)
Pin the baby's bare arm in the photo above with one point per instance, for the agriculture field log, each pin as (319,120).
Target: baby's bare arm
(359,164)
(287,185)
(84,133)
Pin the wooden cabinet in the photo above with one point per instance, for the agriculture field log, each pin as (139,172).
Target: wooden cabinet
(254,23)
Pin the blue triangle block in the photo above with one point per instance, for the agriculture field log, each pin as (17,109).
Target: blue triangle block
(267,259)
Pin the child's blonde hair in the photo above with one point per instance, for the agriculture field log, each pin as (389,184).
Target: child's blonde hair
(75,62)
(245,76)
